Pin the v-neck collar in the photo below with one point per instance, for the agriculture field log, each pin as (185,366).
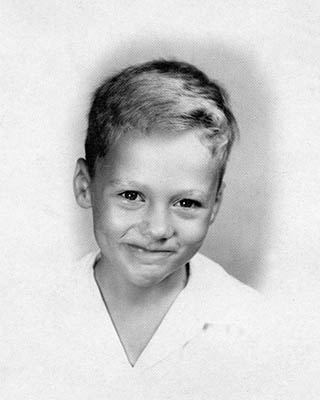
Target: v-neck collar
(179,325)
(209,297)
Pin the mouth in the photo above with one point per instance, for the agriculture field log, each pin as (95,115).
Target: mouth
(149,254)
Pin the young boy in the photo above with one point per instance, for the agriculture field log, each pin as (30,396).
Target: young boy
(158,318)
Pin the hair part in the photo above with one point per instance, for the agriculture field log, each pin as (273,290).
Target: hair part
(159,96)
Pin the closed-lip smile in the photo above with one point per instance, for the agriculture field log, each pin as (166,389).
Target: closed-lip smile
(152,253)
(150,249)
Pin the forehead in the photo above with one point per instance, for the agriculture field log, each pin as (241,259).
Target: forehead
(181,159)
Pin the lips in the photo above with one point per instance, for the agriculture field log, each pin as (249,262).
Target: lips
(149,253)
(151,248)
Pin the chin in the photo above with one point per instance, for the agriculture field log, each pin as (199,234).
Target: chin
(146,281)
(148,278)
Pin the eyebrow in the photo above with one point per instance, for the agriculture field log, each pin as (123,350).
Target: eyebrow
(191,193)
(119,182)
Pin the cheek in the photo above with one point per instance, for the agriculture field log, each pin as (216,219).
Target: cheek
(112,220)
(193,232)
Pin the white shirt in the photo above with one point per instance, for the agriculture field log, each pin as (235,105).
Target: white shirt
(208,346)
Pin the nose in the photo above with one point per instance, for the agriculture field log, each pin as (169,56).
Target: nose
(157,224)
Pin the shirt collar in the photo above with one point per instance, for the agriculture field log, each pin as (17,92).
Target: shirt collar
(211,296)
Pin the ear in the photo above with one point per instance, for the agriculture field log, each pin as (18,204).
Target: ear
(81,184)
(217,203)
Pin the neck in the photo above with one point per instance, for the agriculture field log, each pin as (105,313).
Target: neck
(125,294)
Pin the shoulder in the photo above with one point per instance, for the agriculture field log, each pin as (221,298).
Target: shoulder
(226,300)
(208,272)
(81,271)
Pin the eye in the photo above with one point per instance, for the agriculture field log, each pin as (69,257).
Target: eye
(188,203)
(131,195)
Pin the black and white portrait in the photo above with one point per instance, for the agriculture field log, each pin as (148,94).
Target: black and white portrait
(160,192)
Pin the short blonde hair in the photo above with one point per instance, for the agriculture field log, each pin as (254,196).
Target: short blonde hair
(159,96)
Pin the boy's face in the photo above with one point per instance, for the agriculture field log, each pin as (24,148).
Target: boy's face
(153,200)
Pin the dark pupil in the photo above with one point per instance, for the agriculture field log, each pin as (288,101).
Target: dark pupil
(186,203)
(131,195)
